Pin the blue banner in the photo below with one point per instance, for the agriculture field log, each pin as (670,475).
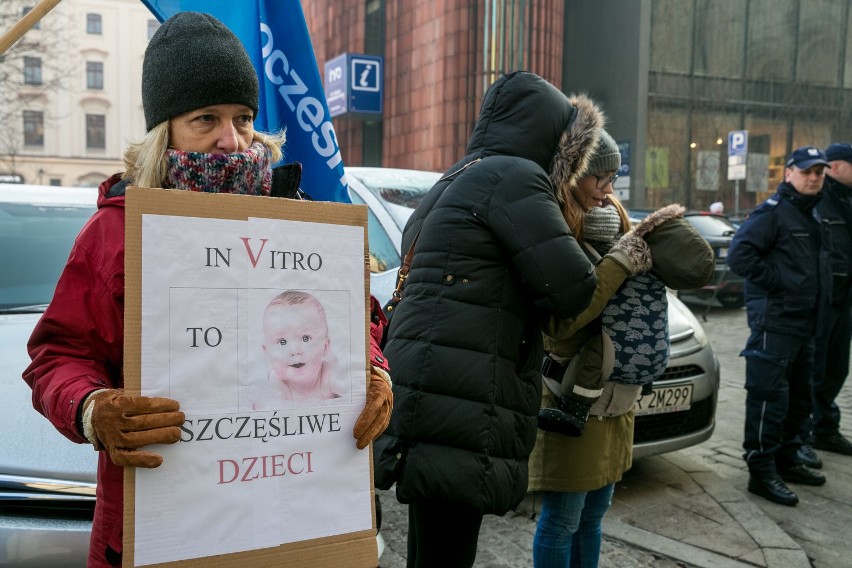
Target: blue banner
(276,37)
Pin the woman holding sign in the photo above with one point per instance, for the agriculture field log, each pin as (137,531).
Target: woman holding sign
(200,97)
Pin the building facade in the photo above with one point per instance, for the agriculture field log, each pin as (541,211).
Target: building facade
(779,69)
(439,58)
(70,91)
(674,77)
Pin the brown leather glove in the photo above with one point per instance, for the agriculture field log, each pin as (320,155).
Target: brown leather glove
(123,423)
(377,412)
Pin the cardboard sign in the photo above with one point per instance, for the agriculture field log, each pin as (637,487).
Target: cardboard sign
(253,313)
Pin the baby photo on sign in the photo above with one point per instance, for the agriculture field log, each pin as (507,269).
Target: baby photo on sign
(298,349)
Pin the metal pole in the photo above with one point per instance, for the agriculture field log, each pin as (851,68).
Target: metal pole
(15,33)
(736,198)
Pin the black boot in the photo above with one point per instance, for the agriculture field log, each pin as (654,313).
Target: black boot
(835,443)
(772,487)
(802,474)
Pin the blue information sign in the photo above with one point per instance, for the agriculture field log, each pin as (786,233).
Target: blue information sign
(353,83)
(365,83)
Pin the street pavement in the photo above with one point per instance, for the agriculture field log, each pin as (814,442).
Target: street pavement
(690,508)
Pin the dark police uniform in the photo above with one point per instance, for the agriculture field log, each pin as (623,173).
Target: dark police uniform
(777,252)
(831,363)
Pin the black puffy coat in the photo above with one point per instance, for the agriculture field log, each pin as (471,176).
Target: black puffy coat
(494,256)
(777,251)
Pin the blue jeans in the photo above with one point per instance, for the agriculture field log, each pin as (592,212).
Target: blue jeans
(568,534)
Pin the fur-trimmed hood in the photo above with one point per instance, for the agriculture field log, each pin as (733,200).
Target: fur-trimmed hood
(523,115)
(577,143)
(658,217)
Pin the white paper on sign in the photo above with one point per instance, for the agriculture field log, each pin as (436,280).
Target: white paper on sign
(257,328)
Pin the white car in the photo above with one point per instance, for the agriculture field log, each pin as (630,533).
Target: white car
(391,195)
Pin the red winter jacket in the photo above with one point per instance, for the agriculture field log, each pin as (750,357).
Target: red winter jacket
(78,347)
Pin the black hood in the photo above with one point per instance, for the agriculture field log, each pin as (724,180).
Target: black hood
(523,115)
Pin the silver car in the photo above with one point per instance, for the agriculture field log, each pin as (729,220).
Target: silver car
(47,483)
(679,412)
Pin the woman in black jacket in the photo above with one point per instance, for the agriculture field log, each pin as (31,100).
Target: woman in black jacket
(493,256)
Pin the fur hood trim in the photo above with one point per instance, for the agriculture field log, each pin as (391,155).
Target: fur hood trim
(659,217)
(576,145)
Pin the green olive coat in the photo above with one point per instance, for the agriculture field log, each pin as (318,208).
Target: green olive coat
(681,258)
(605,450)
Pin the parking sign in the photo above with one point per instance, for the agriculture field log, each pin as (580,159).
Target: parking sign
(737,154)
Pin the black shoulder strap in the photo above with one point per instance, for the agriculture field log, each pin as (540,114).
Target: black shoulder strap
(402,274)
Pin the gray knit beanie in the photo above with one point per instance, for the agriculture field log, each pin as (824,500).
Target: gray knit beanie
(195,61)
(606,157)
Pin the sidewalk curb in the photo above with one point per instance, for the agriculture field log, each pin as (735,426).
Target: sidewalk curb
(691,555)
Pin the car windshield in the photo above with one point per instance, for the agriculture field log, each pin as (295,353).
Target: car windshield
(400,187)
(35,240)
(712,225)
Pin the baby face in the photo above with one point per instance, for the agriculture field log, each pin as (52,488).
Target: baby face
(295,342)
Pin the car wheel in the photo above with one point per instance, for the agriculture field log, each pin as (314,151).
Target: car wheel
(731,300)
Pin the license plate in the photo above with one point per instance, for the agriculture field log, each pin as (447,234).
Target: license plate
(664,399)
(723,252)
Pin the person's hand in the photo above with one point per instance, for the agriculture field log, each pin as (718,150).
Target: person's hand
(377,412)
(122,423)
(631,253)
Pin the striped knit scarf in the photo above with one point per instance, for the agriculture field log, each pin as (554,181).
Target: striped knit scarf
(246,172)
(602,227)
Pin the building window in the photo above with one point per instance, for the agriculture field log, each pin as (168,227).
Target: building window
(55,181)
(95,131)
(94,75)
(24,11)
(93,24)
(153,26)
(33,128)
(32,70)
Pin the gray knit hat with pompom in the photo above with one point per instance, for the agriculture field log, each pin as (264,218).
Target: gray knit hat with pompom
(194,61)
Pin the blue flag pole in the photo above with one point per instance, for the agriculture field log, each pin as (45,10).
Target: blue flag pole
(276,38)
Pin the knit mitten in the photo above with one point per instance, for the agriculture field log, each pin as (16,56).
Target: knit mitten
(632,254)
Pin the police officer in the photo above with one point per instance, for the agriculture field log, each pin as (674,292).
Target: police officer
(831,363)
(777,252)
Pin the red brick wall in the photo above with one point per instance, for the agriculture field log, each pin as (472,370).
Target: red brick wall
(434,73)
(335,28)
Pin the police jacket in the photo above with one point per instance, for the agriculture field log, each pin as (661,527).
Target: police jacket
(493,257)
(835,216)
(777,252)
